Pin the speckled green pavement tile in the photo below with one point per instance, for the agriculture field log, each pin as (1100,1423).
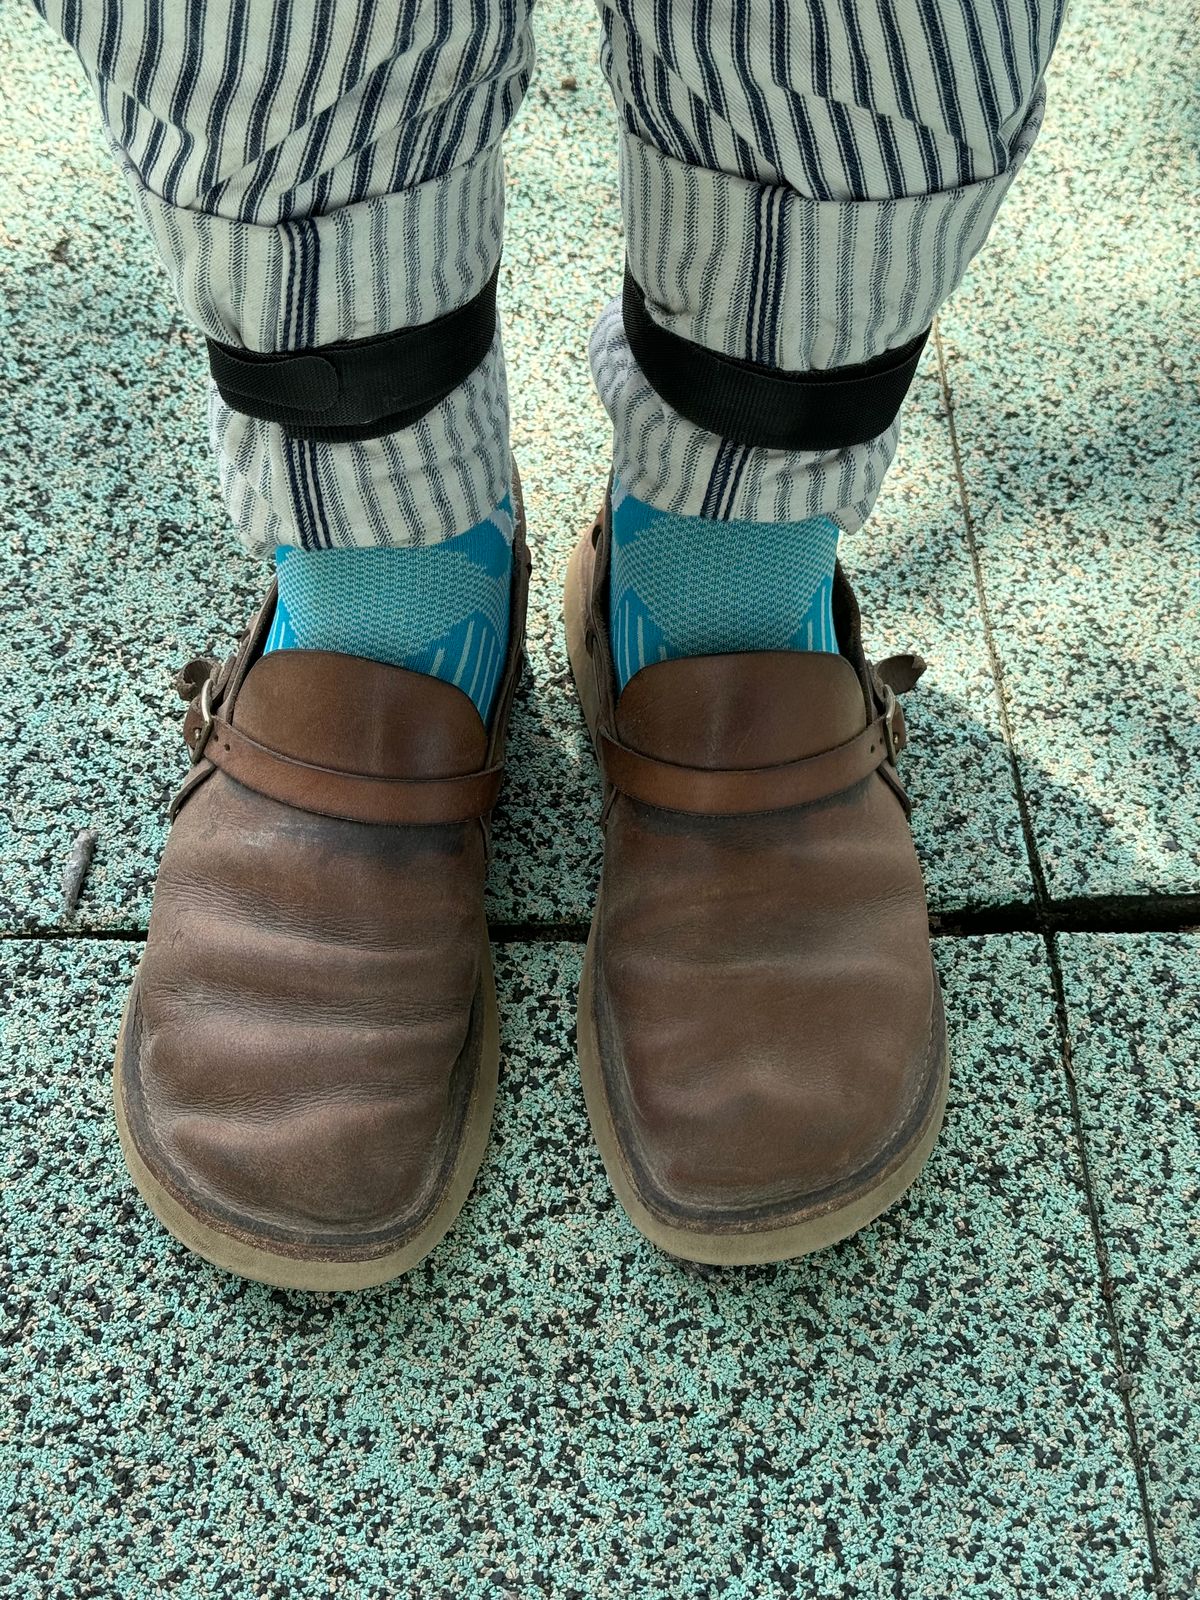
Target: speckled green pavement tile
(116,563)
(1072,363)
(1134,1009)
(118,566)
(548,1407)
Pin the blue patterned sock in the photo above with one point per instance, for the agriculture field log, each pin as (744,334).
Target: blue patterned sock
(441,609)
(692,586)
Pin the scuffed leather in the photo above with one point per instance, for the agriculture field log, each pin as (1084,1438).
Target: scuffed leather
(764,991)
(304,1031)
(304,1002)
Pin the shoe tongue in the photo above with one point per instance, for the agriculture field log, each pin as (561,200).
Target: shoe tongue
(754,709)
(360,716)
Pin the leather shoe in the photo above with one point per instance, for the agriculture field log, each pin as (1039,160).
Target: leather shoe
(307,1063)
(761,1035)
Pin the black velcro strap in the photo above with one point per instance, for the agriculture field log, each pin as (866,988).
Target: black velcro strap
(760,406)
(361,388)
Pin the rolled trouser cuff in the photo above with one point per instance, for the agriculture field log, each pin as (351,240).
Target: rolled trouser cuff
(390,263)
(762,273)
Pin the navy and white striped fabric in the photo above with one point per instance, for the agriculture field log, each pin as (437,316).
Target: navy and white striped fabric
(315,170)
(803,184)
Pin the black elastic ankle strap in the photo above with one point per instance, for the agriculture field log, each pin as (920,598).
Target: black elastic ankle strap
(362,388)
(759,406)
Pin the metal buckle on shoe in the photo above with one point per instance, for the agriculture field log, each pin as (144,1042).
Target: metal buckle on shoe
(889,721)
(206,721)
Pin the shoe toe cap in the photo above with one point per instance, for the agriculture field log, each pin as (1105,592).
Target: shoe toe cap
(748,1134)
(332,1155)
(730,1108)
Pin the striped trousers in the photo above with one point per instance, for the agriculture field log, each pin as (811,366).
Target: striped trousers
(803,183)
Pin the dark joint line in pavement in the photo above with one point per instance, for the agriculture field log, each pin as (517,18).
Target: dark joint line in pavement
(1154,913)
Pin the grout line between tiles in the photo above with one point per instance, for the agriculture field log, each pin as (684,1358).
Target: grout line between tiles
(1042,907)
(1151,914)
(1124,1379)
(1118,914)
(1040,894)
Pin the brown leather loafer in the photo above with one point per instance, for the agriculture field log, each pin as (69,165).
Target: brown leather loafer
(307,1063)
(761,1035)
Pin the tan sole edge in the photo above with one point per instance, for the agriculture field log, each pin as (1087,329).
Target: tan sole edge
(713,1249)
(290,1272)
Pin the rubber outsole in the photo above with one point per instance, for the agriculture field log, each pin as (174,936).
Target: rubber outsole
(727,1247)
(263,1265)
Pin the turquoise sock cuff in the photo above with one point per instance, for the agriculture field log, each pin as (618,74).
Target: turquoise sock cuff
(689,586)
(441,609)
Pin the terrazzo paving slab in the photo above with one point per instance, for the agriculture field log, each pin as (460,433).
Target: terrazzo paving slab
(1134,1008)
(548,1407)
(1072,361)
(117,565)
